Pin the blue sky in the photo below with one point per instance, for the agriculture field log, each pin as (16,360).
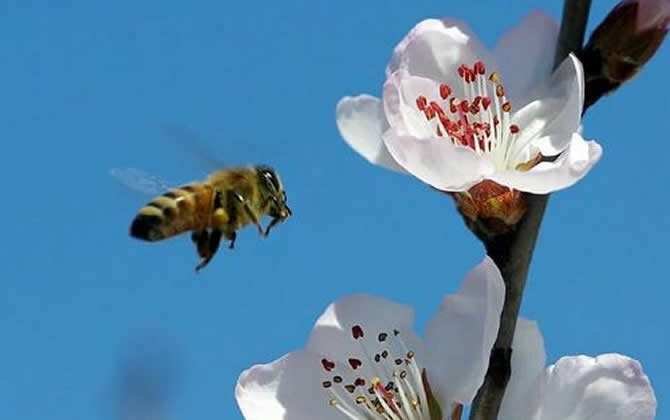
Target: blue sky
(88,86)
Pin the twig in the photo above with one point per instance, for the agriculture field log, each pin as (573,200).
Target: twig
(513,252)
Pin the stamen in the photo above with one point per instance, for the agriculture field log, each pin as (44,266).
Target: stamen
(445,91)
(393,393)
(475,120)
(421,102)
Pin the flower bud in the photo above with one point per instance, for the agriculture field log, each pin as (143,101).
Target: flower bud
(618,48)
(652,14)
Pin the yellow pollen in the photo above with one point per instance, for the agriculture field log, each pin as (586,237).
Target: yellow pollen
(494,77)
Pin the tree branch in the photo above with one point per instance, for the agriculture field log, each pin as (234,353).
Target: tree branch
(513,252)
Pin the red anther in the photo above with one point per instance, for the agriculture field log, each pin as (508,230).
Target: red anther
(437,108)
(388,397)
(496,121)
(327,364)
(355,363)
(445,91)
(421,102)
(461,70)
(477,100)
(486,101)
(464,106)
(439,131)
(445,121)
(357,331)
(430,113)
(514,129)
(480,68)
(453,105)
(474,108)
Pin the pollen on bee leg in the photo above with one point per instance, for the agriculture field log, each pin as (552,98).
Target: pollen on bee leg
(219,218)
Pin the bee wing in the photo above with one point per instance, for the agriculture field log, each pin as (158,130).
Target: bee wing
(192,146)
(139,180)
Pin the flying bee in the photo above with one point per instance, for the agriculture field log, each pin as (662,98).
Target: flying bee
(213,209)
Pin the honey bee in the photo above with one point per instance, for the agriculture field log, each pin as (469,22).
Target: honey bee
(216,208)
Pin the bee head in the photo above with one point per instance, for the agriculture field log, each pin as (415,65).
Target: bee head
(272,185)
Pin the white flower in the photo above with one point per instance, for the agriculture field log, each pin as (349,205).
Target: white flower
(454,114)
(363,361)
(607,387)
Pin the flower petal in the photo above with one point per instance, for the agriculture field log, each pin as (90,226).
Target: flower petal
(401,91)
(571,166)
(438,162)
(435,48)
(528,359)
(608,387)
(459,338)
(332,333)
(525,54)
(361,123)
(286,389)
(558,111)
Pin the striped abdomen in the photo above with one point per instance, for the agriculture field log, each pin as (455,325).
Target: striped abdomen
(179,210)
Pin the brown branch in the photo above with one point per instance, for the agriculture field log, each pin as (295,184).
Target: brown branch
(513,251)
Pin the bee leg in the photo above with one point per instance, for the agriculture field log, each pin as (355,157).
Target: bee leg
(212,245)
(250,213)
(232,237)
(272,224)
(201,240)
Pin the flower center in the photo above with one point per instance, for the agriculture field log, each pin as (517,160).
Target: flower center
(479,120)
(395,391)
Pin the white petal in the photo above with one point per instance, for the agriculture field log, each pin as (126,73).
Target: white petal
(528,359)
(400,93)
(361,123)
(435,48)
(567,84)
(546,177)
(525,55)
(459,338)
(286,389)
(438,162)
(608,387)
(557,111)
(332,333)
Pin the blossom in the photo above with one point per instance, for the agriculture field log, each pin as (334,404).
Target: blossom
(363,360)
(454,114)
(607,387)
